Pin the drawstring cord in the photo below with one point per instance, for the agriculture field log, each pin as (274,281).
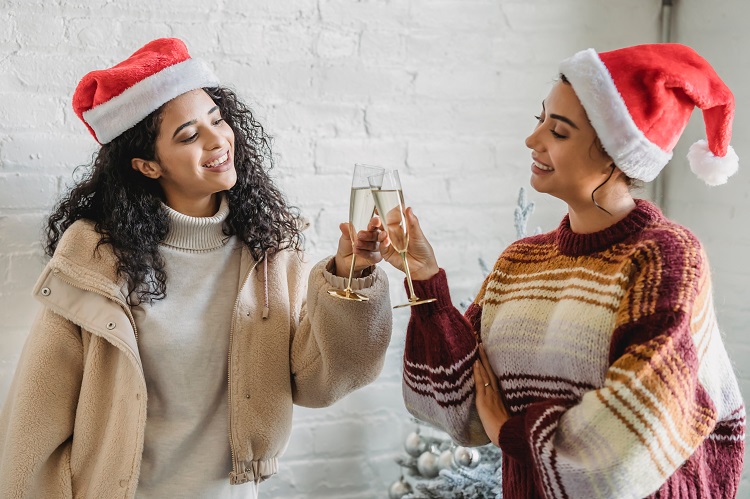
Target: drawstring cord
(265,286)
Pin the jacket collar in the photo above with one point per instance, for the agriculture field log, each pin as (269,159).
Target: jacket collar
(86,263)
(87,266)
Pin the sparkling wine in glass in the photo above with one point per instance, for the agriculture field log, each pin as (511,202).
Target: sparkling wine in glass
(389,199)
(361,210)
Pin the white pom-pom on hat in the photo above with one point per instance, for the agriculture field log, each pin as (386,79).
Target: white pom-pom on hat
(712,169)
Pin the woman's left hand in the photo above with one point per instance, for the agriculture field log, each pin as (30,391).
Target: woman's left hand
(490,407)
(367,248)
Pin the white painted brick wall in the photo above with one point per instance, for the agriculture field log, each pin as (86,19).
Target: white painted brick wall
(444,90)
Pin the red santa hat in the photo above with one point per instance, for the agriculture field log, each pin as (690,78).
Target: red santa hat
(639,100)
(110,101)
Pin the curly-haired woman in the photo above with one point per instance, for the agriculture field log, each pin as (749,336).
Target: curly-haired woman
(179,324)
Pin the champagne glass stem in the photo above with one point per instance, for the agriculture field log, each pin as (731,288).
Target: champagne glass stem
(412,296)
(351,273)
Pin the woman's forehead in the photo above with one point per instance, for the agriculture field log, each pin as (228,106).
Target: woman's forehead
(562,96)
(188,105)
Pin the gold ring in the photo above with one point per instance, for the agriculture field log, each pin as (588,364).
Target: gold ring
(486,385)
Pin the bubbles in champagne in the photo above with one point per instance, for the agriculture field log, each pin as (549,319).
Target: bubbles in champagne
(390,205)
(361,209)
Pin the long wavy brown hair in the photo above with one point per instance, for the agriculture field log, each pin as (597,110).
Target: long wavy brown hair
(127,207)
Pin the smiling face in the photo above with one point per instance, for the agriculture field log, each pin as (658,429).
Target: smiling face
(566,163)
(194,154)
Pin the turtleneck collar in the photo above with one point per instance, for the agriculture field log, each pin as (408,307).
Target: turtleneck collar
(573,244)
(197,233)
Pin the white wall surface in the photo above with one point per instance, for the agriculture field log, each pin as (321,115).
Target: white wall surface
(444,90)
(720,216)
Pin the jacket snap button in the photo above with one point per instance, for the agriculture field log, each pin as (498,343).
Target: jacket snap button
(111,325)
(247,395)
(46,291)
(123,483)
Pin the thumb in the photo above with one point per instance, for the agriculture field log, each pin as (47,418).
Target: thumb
(344,228)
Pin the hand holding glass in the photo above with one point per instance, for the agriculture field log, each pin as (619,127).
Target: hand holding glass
(389,199)
(361,210)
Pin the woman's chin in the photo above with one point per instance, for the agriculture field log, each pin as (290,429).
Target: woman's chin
(536,184)
(230,180)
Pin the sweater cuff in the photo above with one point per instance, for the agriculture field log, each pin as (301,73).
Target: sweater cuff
(358,283)
(512,439)
(434,287)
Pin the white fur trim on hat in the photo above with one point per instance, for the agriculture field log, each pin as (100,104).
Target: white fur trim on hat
(122,112)
(713,170)
(632,152)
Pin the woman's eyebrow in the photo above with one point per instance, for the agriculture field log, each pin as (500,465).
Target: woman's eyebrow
(563,119)
(192,122)
(560,118)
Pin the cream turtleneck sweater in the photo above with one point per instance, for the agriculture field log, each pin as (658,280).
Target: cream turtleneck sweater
(184,344)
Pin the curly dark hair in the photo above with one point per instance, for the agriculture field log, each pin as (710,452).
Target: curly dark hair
(126,206)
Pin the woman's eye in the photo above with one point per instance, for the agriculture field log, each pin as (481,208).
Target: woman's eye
(220,120)
(557,135)
(190,139)
(539,118)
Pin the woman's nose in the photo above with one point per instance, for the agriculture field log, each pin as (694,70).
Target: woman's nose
(532,141)
(216,139)
(529,141)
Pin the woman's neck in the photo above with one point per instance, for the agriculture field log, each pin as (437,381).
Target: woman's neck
(587,218)
(202,207)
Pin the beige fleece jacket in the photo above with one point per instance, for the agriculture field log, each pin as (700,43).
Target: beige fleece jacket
(74,420)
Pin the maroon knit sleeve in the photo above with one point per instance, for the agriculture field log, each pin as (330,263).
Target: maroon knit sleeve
(439,355)
(513,441)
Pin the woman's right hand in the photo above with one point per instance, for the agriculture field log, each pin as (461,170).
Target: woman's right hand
(422,262)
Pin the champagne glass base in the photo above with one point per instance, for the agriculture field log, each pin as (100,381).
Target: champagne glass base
(416,302)
(347,295)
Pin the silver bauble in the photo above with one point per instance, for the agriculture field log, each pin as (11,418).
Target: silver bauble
(475,458)
(427,464)
(415,445)
(464,456)
(445,461)
(399,489)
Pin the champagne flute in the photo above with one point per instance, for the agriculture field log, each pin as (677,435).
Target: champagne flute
(361,210)
(389,199)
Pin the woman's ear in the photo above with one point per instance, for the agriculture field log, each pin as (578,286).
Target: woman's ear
(617,173)
(150,169)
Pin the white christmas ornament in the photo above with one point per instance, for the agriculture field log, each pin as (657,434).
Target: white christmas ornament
(427,465)
(464,456)
(399,489)
(415,445)
(445,461)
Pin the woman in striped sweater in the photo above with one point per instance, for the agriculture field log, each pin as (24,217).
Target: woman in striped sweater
(591,355)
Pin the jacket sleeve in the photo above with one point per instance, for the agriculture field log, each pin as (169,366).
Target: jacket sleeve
(669,384)
(441,347)
(36,423)
(339,345)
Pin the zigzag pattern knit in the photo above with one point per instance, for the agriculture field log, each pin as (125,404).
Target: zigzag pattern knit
(609,360)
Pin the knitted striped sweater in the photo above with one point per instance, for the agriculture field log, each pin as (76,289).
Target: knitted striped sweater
(609,361)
